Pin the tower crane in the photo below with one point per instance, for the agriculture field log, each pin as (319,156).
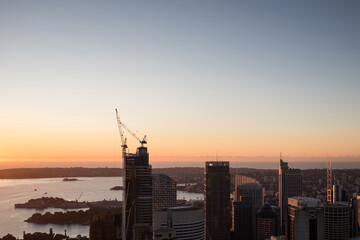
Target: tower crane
(123,140)
(143,141)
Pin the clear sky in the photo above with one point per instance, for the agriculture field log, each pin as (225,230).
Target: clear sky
(241,78)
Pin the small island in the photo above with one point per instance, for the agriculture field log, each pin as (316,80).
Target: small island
(117,188)
(47,202)
(69,217)
(70,179)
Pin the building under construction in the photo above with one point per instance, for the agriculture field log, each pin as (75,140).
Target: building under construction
(137,193)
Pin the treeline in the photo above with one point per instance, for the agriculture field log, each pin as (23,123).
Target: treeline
(19,173)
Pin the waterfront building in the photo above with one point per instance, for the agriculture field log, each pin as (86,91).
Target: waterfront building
(217,200)
(185,222)
(290,185)
(305,219)
(164,191)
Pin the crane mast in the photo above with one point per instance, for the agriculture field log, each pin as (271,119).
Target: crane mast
(123,146)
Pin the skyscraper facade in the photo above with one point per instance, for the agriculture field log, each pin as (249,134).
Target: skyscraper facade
(305,219)
(217,200)
(290,185)
(138,195)
(164,191)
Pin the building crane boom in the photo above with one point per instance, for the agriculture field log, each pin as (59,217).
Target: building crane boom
(142,142)
(123,139)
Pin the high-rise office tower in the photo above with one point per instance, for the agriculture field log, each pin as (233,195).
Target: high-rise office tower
(217,200)
(336,221)
(290,185)
(305,219)
(138,195)
(164,191)
(267,222)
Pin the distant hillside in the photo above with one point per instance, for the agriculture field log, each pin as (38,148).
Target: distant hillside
(18,173)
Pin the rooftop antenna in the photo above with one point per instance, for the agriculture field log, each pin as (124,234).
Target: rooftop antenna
(217,157)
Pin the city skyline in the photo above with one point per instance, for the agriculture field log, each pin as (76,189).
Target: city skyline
(244,79)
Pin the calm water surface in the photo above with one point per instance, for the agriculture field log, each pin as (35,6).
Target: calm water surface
(21,190)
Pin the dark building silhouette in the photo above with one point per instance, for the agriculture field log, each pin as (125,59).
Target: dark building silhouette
(267,222)
(138,195)
(252,195)
(242,220)
(217,200)
(290,185)
(354,216)
(105,226)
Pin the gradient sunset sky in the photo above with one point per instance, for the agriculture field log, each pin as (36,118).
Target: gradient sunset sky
(241,78)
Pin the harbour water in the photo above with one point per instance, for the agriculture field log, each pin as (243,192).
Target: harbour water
(88,189)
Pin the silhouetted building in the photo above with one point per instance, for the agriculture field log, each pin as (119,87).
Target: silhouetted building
(138,195)
(187,223)
(217,200)
(290,185)
(305,219)
(354,215)
(242,219)
(267,222)
(251,193)
(142,231)
(164,191)
(336,221)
